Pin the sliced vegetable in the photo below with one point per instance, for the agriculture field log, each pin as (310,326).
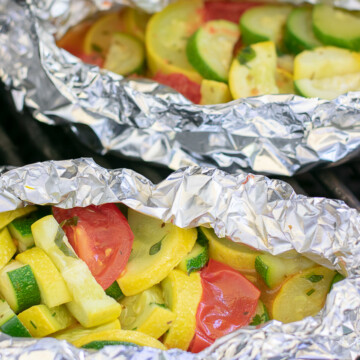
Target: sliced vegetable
(78,331)
(325,62)
(90,305)
(210,49)
(264,23)
(261,315)
(100,236)
(228,301)
(337,27)
(135,21)
(195,260)
(147,313)
(299,34)
(302,295)
(52,286)
(20,228)
(328,88)
(275,269)
(63,316)
(214,92)
(18,286)
(166,38)
(182,84)
(157,249)
(7,217)
(252,72)
(126,55)
(134,337)
(10,323)
(98,37)
(182,295)
(7,247)
(338,277)
(40,321)
(286,62)
(238,256)
(114,291)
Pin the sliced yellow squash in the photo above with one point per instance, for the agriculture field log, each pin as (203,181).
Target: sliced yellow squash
(182,295)
(252,72)
(214,92)
(147,313)
(127,336)
(166,38)
(302,295)
(157,249)
(7,247)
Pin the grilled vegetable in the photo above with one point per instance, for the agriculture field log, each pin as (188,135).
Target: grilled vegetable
(10,323)
(195,260)
(214,92)
(7,247)
(7,217)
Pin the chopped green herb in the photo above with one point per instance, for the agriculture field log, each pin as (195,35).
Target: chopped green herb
(70,222)
(310,292)
(35,327)
(246,55)
(53,314)
(135,328)
(256,320)
(156,247)
(315,278)
(161,305)
(96,48)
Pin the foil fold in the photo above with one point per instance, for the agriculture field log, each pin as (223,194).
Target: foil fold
(252,209)
(274,134)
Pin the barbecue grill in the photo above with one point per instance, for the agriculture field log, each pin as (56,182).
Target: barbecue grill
(24,140)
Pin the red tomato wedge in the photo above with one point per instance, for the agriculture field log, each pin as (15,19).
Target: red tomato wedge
(100,236)
(182,84)
(231,11)
(228,303)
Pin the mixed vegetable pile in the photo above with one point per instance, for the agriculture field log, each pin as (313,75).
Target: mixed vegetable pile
(216,51)
(94,277)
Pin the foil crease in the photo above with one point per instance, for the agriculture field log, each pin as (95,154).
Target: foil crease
(279,134)
(253,209)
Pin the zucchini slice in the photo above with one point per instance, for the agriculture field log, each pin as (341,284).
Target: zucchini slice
(238,256)
(325,62)
(302,295)
(337,27)
(114,291)
(275,269)
(127,336)
(7,247)
(10,323)
(328,88)
(264,23)
(126,55)
(210,49)
(18,286)
(147,313)
(299,34)
(252,72)
(214,92)
(157,249)
(7,217)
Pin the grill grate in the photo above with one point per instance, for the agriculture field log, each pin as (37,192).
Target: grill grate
(24,141)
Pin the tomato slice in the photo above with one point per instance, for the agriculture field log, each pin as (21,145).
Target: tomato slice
(100,236)
(231,11)
(228,303)
(182,84)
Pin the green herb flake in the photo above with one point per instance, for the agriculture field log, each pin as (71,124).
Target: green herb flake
(246,55)
(310,292)
(256,320)
(134,329)
(96,48)
(35,327)
(161,305)
(53,314)
(70,222)
(315,278)
(156,247)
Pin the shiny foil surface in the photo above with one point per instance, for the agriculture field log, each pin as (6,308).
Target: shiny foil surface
(274,134)
(253,209)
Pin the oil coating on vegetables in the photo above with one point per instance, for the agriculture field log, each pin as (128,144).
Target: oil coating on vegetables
(167,287)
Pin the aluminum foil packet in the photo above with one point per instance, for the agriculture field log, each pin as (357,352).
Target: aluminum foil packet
(274,134)
(253,209)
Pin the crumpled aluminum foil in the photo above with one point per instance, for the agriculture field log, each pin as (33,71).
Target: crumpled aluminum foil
(255,210)
(281,134)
